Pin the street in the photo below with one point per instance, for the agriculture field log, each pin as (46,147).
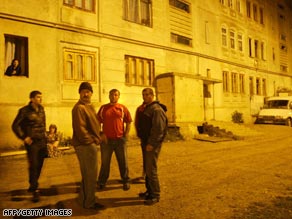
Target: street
(249,178)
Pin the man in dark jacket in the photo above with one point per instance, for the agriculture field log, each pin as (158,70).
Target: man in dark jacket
(151,126)
(30,126)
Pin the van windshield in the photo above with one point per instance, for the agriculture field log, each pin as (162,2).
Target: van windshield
(277,104)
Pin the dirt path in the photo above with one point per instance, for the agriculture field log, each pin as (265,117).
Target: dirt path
(247,179)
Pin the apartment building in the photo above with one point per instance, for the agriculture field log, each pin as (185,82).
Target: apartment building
(205,59)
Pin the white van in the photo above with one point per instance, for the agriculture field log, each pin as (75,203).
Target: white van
(277,110)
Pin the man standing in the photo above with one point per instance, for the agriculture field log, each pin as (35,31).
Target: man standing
(85,140)
(116,120)
(151,126)
(30,126)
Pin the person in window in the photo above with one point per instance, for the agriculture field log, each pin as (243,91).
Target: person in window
(53,142)
(14,69)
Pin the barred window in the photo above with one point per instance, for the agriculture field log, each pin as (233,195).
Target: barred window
(87,5)
(79,65)
(139,71)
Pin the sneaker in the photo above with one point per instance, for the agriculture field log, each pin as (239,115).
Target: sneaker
(144,195)
(36,196)
(126,186)
(97,207)
(151,201)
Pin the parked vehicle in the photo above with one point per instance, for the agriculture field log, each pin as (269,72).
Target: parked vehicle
(277,110)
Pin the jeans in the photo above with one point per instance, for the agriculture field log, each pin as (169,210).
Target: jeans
(150,159)
(36,153)
(87,156)
(119,147)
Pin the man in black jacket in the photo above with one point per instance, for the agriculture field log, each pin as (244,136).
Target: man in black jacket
(30,126)
(151,126)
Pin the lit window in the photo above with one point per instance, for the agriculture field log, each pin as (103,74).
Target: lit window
(79,65)
(139,71)
(138,11)
(16,47)
(87,5)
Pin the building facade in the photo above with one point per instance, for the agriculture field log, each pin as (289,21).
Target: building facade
(205,59)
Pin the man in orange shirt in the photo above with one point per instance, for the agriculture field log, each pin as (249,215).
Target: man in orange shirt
(116,120)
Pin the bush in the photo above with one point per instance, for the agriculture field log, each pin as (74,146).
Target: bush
(237,117)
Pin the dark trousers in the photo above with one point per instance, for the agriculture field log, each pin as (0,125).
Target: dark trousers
(36,153)
(150,159)
(119,147)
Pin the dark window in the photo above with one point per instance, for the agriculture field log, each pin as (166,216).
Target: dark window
(180,4)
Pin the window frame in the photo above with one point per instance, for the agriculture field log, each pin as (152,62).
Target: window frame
(232,39)
(177,38)
(224,36)
(74,4)
(240,42)
(225,79)
(75,66)
(234,82)
(241,81)
(20,52)
(136,71)
(137,15)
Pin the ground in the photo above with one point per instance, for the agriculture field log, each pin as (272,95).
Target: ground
(249,178)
